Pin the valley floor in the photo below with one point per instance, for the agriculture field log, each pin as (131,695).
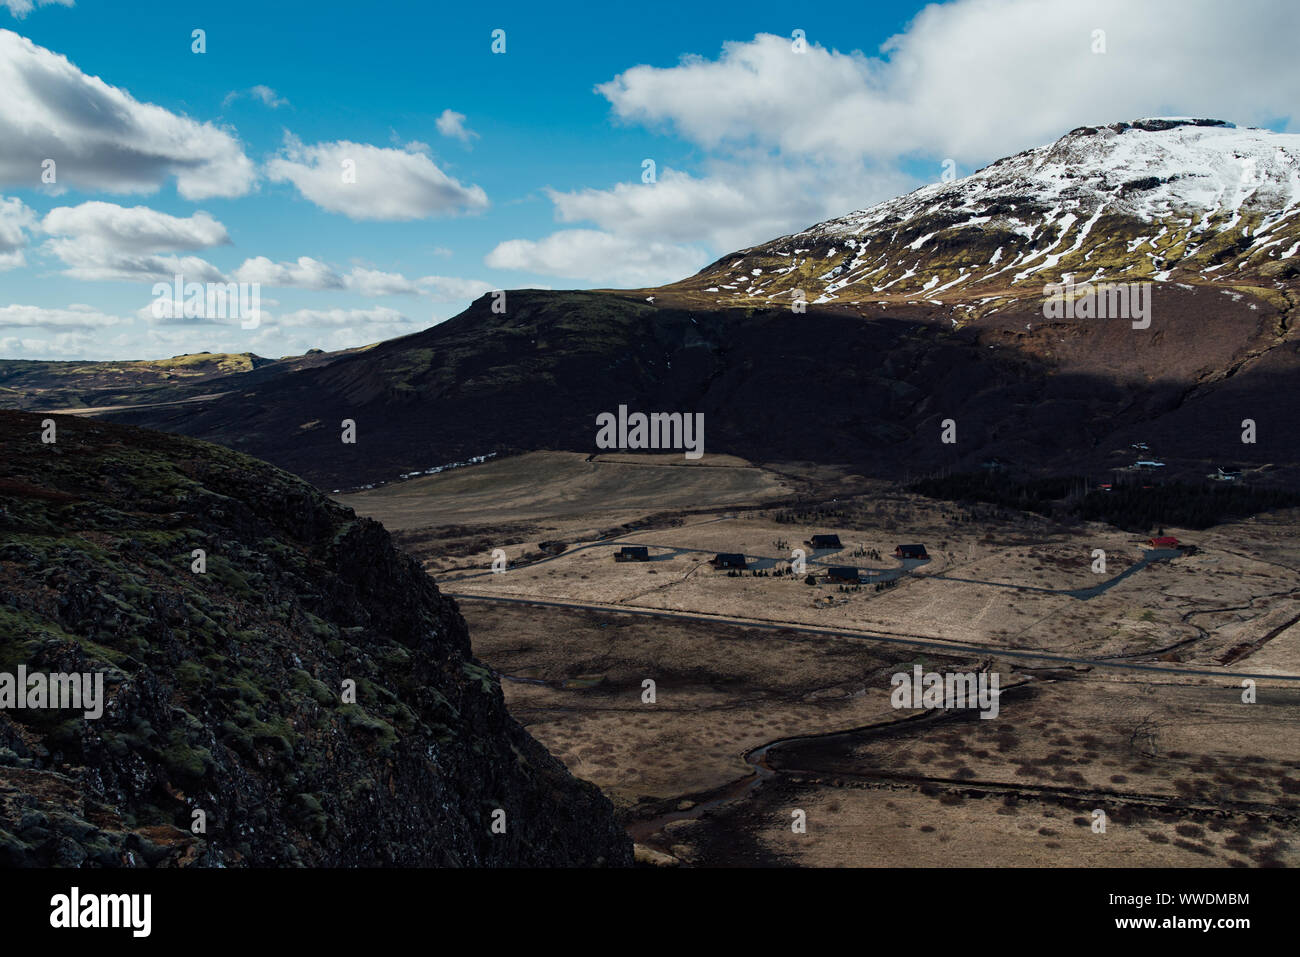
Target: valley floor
(1122,689)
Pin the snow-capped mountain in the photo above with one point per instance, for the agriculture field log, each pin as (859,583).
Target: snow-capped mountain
(1190,200)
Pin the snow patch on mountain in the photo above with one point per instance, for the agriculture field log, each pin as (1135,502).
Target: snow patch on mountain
(1147,170)
(1149,200)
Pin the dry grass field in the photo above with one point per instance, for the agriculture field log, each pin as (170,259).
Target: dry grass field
(567,489)
(1122,688)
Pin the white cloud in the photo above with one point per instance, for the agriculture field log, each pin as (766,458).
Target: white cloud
(452,289)
(20,8)
(308,273)
(75,317)
(62,345)
(100,241)
(452,124)
(305,273)
(976,79)
(94,263)
(376,315)
(735,206)
(15,220)
(389,184)
(372,282)
(100,137)
(790,139)
(265,94)
(596,256)
(135,229)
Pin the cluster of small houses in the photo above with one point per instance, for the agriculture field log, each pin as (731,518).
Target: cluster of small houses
(736,561)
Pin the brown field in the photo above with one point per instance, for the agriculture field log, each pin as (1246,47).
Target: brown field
(569,489)
(1185,772)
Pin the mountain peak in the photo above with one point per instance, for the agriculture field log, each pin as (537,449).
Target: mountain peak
(1156,199)
(1158,124)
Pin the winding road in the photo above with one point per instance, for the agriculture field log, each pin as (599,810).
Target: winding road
(910,641)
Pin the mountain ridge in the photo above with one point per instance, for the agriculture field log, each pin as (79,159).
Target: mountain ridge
(862,381)
(1155,200)
(865,388)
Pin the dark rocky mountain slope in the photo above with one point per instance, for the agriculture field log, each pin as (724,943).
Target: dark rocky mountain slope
(865,386)
(224,688)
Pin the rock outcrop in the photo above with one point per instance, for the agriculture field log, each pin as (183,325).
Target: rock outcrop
(227,690)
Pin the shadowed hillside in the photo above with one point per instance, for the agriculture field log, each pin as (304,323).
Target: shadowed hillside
(224,689)
(865,387)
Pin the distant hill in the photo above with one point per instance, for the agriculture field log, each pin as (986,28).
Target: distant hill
(79,386)
(224,689)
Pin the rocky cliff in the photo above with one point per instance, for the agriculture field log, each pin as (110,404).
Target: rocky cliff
(227,689)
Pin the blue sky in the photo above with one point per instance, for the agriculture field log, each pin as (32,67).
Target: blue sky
(477,171)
